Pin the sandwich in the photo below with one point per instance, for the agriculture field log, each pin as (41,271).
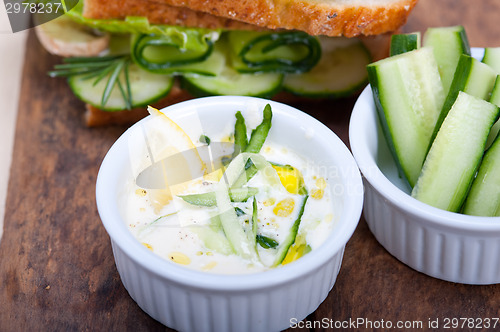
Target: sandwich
(122,55)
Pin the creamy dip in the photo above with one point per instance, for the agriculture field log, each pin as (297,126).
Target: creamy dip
(194,236)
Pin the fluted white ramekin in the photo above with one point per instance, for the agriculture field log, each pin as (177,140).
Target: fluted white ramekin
(442,244)
(189,300)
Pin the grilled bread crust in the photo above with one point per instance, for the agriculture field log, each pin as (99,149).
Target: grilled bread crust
(349,18)
(333,18)
(159,13)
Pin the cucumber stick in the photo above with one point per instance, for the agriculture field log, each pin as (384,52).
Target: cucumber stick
(492,57)
(455,154)
(484,195)
(340,71)
(234,231)
(448,43)
(471,76)
(495,99)
(408,97)
(145,88)
(209,198)
(402,43)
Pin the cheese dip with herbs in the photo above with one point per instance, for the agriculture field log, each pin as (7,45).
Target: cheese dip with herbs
(263,206)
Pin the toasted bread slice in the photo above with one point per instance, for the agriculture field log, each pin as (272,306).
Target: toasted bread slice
(159,13)
(348,18)
(64,37)
(333,18)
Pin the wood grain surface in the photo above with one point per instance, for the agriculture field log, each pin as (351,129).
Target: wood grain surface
(57,271)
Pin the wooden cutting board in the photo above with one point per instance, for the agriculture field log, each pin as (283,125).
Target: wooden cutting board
(56,265)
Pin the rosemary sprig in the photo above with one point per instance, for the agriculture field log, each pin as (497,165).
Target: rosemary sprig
(98,68)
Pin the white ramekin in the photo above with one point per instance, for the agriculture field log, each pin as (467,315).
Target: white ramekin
(442,244)
(188,300)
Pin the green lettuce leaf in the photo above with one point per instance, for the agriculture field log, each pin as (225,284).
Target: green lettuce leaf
(192,39)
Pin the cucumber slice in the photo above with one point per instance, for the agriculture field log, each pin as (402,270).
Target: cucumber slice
(157,56)
(292,234)
(273,51)
(448,44)
(408,96)
(471,76)
(455,154)
(492,57)
(230,82)
(213,238)
(340,71)
(402,43)
(64,37)
(495,99)
(145,88)
(208,199)
(484,195)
